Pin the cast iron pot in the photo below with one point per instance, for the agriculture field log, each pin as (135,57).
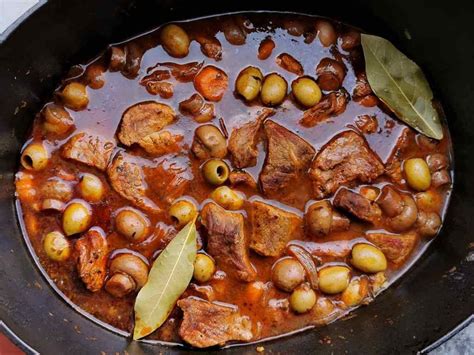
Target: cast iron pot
(428,302)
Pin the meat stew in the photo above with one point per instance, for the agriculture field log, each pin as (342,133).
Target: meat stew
(310,203)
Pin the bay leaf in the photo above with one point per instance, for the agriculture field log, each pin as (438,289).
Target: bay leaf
(401,85)
(168,279)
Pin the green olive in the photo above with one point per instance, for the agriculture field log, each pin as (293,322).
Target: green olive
(34,157)
(56,246)
(91,187)
(132,224)
(274,89)
(355,293)
(287,273)
(418,174)
(334,279)
(306,91)
(213,140)
(56,119)
(249,83)
(215,171)
(182,212)
(75,96)
(227,198)
(204,268)
(368,258)
(175,41)
(302,299)
(76,217)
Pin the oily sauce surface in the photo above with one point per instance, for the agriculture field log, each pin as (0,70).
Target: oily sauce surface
(270,315)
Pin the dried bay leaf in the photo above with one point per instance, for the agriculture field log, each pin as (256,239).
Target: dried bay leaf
(168,279)
(401,85)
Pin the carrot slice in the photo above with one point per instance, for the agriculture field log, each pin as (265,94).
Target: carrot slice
(266,48)
(211,83)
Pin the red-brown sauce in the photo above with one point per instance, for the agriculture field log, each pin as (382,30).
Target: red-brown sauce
(103,116)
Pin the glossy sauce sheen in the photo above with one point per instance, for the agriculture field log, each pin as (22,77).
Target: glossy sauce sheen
(103,115)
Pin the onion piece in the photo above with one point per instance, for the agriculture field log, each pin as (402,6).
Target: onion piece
(307,261)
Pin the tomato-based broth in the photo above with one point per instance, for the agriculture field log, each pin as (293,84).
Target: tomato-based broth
(310,195)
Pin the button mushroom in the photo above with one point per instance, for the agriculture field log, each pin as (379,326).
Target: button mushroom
(331,74)
(400,208)
(127,273)
(322,219)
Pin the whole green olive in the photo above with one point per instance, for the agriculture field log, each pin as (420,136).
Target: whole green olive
(274,90)
(227,198)
(334,279)
(56,246)
(175,40)
(215,171)
(368,258)
(132,224)
(182,212)
(355,293)
(418,174)
(212,140)
(302,299)
(76,217)
(306,91)
(249,83)
(34,157)
(56,119)
(287,273)
(75,96)
(91,187)
(204,268)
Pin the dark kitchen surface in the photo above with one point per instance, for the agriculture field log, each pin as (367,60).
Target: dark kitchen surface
(451,274)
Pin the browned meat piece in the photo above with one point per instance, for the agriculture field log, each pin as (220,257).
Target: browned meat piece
(243,141)
(346,158)
(157,75)
(290,64)
(91,249)
(89,149)
(198,108)
(169,179)
(126,177)
(330,105)
(144,119)
(226,241)
(357,205)
(331,74)
(367,124)
(272,228)
(208,324)
(393,168)
(162,88)
(184,73)
(210,46)
(242,178)
(333,250)
(160,143)
(288,156)
(362,87)
(396,247)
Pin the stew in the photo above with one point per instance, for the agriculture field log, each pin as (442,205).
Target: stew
(310,195)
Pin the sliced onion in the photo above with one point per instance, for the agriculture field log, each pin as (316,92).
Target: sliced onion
(307,261)
(52,204)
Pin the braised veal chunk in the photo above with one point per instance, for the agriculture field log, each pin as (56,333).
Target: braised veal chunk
(229,179)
